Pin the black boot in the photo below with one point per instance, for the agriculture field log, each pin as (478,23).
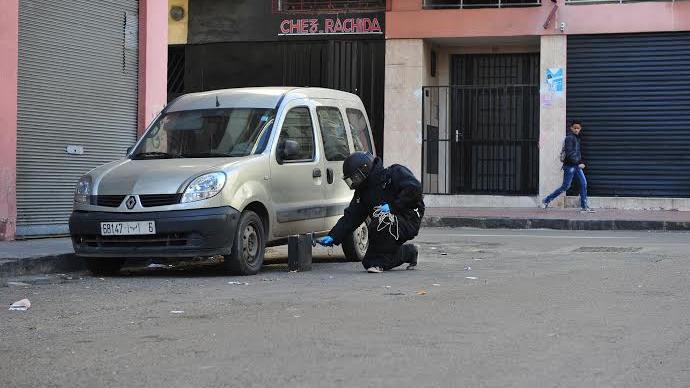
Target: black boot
(411,253)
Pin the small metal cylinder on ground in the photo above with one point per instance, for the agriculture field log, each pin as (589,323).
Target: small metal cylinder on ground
(299,252)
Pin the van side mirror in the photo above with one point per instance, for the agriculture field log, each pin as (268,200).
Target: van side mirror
(290,150)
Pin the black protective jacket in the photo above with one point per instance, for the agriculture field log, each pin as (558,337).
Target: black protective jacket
(396,186)
(573,154)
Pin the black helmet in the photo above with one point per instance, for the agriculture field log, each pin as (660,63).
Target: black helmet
(356,168)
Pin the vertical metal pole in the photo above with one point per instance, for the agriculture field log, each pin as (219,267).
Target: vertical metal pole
(505,149)
(447,159)
(424,166)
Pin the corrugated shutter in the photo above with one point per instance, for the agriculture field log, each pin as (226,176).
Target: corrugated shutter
(78,82)
(632,93)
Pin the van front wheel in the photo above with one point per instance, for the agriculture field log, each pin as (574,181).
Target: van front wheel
(250,243)
(356,244)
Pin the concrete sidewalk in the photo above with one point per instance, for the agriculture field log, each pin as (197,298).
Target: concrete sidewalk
(558,218)
(36,256)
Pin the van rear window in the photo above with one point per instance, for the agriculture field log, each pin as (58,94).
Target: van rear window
(360,130)
(333,133)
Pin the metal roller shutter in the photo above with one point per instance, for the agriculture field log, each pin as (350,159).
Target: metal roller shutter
(632,92)
(78,83)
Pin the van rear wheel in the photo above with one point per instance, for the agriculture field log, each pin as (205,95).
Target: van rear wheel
(356,244)
(250,244)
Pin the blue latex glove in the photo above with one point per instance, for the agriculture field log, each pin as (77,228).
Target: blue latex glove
(385,209)
(326,241)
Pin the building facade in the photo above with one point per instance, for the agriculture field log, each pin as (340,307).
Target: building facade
(337,44)
(78,81)
(479,93)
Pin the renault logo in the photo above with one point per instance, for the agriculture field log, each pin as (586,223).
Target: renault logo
(131,201)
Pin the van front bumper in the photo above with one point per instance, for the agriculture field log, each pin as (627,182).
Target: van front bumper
(179,233)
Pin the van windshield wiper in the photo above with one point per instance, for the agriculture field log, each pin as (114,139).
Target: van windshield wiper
(154,155)
(207,155)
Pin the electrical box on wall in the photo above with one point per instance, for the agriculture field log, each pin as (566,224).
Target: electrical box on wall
(178,17)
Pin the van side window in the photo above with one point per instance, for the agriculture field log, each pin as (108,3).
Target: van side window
(297,127)
(333,133)
(360,130)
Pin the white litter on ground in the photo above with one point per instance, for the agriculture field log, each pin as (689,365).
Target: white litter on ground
(160,266)
(17,284)
(20,305)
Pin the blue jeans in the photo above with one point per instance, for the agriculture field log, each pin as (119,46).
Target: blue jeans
(568,173)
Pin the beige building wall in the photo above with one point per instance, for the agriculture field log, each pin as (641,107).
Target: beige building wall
(552,121)
(406,73)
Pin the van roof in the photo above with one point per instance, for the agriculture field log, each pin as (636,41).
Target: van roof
(260,97)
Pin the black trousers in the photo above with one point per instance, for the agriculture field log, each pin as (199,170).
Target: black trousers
(385,250)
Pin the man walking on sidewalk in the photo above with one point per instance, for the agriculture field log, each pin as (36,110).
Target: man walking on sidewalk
(573,166)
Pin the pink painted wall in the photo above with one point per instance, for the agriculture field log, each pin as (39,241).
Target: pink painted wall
(153,59)
(9,46)
(407,19)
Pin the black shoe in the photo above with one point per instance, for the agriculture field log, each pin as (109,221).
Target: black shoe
(413,254)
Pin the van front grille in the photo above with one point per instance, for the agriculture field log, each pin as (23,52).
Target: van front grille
(107,200)
(151,200)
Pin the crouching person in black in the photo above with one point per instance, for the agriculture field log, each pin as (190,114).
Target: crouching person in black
(392,200)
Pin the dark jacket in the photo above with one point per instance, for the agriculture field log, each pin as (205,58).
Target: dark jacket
(571,146)
(395,185)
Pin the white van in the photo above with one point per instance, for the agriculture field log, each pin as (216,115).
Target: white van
(225,172)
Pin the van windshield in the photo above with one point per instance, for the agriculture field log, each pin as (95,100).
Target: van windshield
(209,133)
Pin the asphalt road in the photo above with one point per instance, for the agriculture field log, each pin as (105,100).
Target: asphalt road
(494,308)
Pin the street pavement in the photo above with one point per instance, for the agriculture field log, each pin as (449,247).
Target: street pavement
(486,308)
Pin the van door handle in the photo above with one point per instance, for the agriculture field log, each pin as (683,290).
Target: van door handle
(329,175)
(316,173)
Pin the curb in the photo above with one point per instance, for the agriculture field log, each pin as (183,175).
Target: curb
(41,265)
(560,224)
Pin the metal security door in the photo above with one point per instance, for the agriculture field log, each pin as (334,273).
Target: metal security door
(77,101)
(494,130)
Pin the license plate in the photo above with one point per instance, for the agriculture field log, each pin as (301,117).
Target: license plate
(128,228)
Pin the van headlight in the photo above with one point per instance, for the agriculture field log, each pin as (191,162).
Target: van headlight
(82,193)
(204,187)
